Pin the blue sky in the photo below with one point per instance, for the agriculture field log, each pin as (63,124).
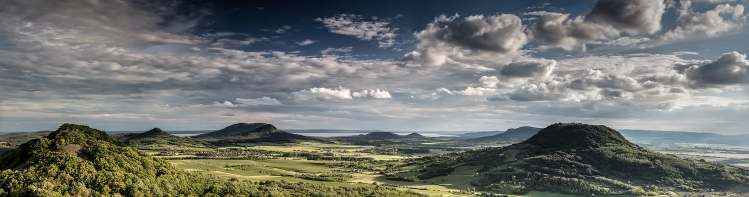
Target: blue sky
(393,65)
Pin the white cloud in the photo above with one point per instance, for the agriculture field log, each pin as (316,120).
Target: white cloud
(723,18)
(375,93)
(531,68)
(455,36)
(324,93)
(488,81)
(376,29)
(499,33)
(149,74)
(731,68)
(476,91)
(340,93)
(609,20)
(306,42)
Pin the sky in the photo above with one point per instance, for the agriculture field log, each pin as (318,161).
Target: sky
(387,65)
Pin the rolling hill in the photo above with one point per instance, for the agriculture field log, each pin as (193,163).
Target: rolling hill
(159,138)
(17,138)
(649,137)
(670,137)
(579,159)
(77,160)
(510,136)
(415,136)
(379,135)
(383,137)
(477,134)
(253,133)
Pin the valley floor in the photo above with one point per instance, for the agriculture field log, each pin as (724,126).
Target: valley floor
(296,167)
(330,164)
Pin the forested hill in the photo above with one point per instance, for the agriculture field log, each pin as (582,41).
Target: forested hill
(253,133)
(157,137)
(77,160)
(580,159)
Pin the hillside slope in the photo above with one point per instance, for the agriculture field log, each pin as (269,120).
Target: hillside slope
(159,138)
(580,159)
(510,136)
(253,133)
(77,160)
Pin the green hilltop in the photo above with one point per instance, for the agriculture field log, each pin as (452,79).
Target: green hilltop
(249,133)
(578,159)
(77,160)
(156,138)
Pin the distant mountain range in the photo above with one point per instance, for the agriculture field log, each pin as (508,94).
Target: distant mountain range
(648,137)
(510,136)
(670,137)
(580,159)
(267,133)
(381,137)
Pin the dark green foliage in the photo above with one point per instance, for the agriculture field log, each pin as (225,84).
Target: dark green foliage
(583,159)
(574,135)
(80,161)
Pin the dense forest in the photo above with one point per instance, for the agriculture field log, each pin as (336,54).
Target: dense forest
(77,160)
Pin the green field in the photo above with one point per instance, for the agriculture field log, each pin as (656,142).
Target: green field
(286,169)
(330,172)
(333,172)
(300,170)
(336,149)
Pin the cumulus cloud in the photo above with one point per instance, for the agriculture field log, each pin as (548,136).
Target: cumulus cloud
(608,20)
(374,28)
(723,18)
(539,91)
(340,93)
(532,69)
(499,33)
(324,93)
(103,22)
(445,36)
(630,16)
(148,68)
(730,68)
(375,93)
(647,80)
